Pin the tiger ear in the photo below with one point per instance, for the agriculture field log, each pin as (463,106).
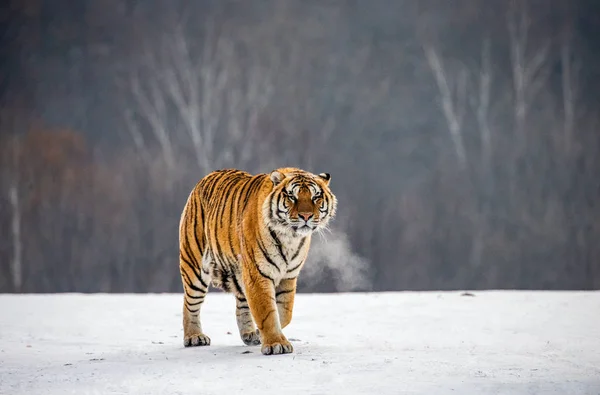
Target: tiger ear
(326,177)
(277,177)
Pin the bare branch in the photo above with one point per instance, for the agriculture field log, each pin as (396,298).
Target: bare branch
(450,113)
(568,87)
(154,111)
(536,63)
(14,198)
(529,75)
(136,135)
(485,81)
(461,94)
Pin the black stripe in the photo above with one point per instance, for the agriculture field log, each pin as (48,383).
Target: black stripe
(190,284)
(280,218)
(211,184)
(184,240)
(199,246)
(184,248)
(194,215)
(270,214)
(253,188)
(225,191)
(202,215)
(298,250)
(265,275)
(255,185)
(278,244)
(278,210)
(205,183)
(192,206)
(219,253)
(283,292)
(262,325)
(189,256)
(192,258)
(240,299)
(218,214)
(230,261)
(235,206)
(195,303)
(243,195)
(237,286)
(194,297)
(246,194)
(186,261)
(327,200)
(262,249)
(244,184)
(295,183)
(232,203)
(197,274)
(192,311)
(295,267)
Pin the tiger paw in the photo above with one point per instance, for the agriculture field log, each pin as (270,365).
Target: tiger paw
(197,339)
(279,347)
(251,338)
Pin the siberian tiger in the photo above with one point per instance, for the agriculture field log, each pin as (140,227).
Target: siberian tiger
(250,236)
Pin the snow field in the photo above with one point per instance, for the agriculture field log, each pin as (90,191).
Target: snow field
(496,342)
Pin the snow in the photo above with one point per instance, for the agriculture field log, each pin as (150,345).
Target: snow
(495,342)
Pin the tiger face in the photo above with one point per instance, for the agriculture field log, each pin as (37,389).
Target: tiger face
(301,202)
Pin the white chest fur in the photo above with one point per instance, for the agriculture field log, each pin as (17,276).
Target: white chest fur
(283,255)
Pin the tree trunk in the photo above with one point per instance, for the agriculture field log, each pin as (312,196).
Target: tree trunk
(16,265)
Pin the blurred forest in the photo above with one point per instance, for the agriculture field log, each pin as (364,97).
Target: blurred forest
(462,137)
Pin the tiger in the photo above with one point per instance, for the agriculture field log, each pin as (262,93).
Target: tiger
(249,235)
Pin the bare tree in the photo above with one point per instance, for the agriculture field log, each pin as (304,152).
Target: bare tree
(247,99)
(12,123)
(203,92)
(483,106)
(139,140)
(570,69)
(456,89)
(14,198)
(196,87)
(453,99)
(152,107)
(528,71)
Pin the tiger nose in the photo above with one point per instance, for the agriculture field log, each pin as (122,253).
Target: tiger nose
(306,215)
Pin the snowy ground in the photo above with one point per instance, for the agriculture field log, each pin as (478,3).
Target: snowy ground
(388,343)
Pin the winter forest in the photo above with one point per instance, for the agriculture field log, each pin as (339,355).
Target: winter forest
(462,136)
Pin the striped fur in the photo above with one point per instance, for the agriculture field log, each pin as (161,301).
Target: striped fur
(250,236)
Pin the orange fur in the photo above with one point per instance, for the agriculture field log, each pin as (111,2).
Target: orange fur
(250,235)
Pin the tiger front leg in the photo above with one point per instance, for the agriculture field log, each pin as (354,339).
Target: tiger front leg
(284,295)
(260,293)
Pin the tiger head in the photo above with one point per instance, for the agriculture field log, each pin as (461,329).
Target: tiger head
(300,202)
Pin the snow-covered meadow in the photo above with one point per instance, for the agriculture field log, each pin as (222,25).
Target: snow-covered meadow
(495,342)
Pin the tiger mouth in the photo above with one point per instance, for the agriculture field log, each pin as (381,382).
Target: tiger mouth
(303,227)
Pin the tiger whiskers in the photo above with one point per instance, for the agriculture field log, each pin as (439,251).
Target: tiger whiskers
(321,232)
